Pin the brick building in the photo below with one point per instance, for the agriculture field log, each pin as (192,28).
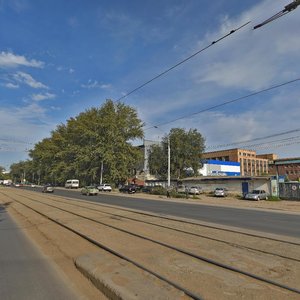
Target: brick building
(288,167)
(251,163)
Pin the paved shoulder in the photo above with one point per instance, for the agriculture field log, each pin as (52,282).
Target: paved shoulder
(25,272)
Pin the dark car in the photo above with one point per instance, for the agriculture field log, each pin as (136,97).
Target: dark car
(130,189)
(48,188)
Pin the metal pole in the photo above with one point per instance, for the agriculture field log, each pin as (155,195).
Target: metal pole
(101,172)
(169,162)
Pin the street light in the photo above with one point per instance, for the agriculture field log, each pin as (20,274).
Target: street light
(169,158)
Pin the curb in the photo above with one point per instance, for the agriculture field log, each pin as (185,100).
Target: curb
(120,280)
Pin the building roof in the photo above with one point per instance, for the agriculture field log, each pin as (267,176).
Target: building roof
(283,161)
(227,178)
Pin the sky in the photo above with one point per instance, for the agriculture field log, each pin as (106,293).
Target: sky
(59,58)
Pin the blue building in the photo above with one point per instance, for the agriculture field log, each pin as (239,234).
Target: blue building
(220,168)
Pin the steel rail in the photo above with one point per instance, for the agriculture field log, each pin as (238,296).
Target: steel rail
(115,253)
(182,231)
(202,258)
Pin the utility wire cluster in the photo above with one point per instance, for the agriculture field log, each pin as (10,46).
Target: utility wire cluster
(225,103)
(252,140)
(272,144)
(288,8)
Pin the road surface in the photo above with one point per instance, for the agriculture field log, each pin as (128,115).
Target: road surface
(25,273)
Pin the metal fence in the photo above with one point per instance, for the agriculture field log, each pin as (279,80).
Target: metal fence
(289,191)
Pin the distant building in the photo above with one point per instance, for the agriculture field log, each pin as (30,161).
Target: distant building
(251,164)
(220,168)
(288,167)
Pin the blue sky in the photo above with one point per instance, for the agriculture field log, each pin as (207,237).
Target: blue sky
(59,58)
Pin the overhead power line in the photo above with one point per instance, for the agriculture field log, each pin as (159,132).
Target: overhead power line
(225,103)
(288,8)
(293,139)
(182,61)
(252,140)
(272,144)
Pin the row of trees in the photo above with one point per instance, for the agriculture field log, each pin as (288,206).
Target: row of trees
(99,142)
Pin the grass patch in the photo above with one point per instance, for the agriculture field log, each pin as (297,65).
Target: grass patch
(273,198)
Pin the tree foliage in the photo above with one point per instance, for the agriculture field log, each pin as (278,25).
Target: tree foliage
(186,149)
(78,148)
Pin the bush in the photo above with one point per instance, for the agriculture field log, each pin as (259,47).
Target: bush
(159,190)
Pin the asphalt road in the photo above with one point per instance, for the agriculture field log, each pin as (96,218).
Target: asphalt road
(24,272)
(263,221)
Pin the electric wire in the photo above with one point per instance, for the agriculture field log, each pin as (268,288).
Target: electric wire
(252,140)
(288,8)
(225,103)
(269,143)
(182,61)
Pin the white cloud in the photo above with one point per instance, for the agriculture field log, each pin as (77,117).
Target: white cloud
(21,122)
(249,60)
(29,80)
(252,59)
(10,85)
(95,84)
(10,60)
(41,97)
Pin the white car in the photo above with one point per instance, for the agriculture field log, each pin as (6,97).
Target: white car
(104,187)
(220,192)
(194,190)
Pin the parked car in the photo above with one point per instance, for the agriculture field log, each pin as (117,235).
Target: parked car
(181,189)
(256,195)
(48,188)
(89,190)
(104,187)
(194,190)
(130,189)
(221,192)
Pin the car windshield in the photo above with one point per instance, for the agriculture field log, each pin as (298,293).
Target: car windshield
(256,192)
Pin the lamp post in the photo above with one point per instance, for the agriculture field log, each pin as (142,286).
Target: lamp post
(169,159)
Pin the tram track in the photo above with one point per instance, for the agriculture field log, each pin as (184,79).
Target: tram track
(192,234)
(206,260)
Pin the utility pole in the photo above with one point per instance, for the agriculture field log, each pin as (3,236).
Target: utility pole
(101,172)
(169,162)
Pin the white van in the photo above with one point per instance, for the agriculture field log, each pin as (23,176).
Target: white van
(72,184)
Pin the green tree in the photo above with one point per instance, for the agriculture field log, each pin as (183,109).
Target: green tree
(186,150)
(98,136)
(2,169)
(21,171)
